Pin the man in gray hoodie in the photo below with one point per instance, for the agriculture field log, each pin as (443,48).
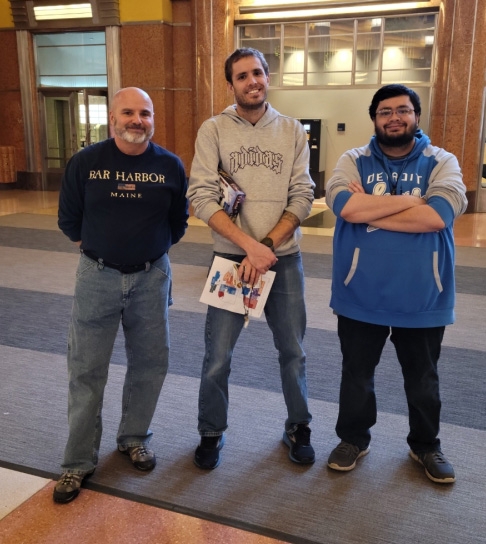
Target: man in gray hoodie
(267,155)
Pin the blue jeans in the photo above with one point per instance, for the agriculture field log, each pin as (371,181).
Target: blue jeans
(102,298)
(286,317)
(418,352)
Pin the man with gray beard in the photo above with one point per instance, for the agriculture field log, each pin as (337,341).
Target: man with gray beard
(123,203)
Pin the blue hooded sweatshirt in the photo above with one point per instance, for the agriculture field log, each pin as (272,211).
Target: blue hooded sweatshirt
(392,278)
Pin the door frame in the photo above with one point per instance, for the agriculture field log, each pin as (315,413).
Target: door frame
(480,206)
(51,177)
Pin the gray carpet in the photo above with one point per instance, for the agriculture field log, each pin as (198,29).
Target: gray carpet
(386,499)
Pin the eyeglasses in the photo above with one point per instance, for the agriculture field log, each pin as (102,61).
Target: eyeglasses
(385,113)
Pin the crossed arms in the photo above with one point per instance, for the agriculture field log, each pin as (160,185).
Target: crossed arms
(400,213)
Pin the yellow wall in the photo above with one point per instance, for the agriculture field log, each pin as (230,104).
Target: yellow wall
(130,11)
(144,10)
(6,20)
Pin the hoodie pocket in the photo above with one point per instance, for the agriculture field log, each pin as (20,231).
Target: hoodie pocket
(395,281)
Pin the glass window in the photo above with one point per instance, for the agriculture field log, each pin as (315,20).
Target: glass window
(265,38)
(294,54)
(71,59)
(330,58)
(410,22)
(368,58)
(252,32)
(407,49)
(365,51)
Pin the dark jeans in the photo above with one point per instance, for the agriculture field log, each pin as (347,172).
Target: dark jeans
(418,352)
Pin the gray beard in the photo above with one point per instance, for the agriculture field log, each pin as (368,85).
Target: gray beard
(133,138)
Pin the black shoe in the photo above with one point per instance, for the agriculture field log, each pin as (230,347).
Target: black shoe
(301,450)
(142,458)
(68,487)
(437,467)
(207,453)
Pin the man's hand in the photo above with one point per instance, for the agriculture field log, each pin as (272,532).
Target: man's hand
(417,217)
(258,261)
(365,208)
(355,187)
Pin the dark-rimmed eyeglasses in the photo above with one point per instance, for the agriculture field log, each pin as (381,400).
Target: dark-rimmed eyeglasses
(385,113)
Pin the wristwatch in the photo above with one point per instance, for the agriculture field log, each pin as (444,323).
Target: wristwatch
(267,242)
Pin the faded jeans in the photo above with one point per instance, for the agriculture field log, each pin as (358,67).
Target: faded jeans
(286,317)
(102,298)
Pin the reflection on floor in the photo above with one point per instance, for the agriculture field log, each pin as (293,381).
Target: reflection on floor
(27,512)
(320,218)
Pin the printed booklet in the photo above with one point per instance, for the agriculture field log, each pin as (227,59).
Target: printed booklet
(232,197)
(225,290)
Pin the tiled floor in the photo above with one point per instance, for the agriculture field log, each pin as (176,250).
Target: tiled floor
(29,516)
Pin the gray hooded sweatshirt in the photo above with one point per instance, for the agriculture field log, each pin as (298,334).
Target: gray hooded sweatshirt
(270,163)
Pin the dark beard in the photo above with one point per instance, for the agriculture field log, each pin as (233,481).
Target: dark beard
(250,106)
(395,141)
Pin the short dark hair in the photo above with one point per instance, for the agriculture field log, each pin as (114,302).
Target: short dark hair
(389,91)
(239,54)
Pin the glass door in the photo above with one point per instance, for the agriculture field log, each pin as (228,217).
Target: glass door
(72,120)
(92,123)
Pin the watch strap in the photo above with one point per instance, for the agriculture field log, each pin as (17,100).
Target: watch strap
(267,241)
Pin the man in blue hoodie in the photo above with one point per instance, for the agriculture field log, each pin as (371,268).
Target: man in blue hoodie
(395,200)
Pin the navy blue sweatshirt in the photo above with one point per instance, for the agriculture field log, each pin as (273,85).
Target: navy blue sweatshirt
(126,209)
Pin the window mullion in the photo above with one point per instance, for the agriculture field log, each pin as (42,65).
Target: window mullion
(355,53)
(382,48)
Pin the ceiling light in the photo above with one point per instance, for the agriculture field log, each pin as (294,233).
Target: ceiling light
(272,6)
(69,11)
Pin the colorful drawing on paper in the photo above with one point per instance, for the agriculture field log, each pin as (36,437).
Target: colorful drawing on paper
(225,290)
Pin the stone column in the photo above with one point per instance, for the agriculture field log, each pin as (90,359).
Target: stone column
(213,21)
(459,92)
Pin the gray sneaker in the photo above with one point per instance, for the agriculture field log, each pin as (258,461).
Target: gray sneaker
(142,458)
(437,467)
(344,456)
(68,487)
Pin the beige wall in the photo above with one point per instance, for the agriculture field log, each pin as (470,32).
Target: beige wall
(338,106)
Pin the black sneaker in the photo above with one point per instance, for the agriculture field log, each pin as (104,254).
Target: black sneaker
(68,486)
(344,456)
(301,450)
(207,453)
(437,467)
(141,457)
